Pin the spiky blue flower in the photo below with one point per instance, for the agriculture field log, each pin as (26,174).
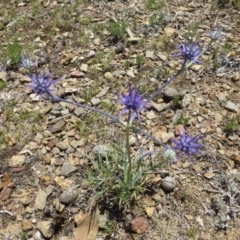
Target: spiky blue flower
(187,144)
(132,101)
(41,83)
(189,52)
(26,61)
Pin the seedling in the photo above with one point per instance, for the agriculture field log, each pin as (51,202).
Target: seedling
(139,60)
(117,29)
(154,4)
(2,85)
(13,52)
(232,125)
(182,120)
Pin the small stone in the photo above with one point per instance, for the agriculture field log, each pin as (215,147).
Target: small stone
(46,228)
(59,207)
(189,217)
(77,143)
(236,76)
(151,115)
(139,225)
(108,76)
(133,39)
(196,67)
(218,117)
(5,194)
(130,73)
(69,195)
(168,184)
(231,106)
(209,175)
(27,225)
(95,101)
(55,151)
(16,161)
(62,146)
(102,92)
(237,176)
(169,31)
(84,67)
(162,57)
(3,76)
(64,183)
(64,112)
(91,54)
(58,126)
(158,106)
(170,93)
(102,221)
(41,200)
(149,54)
(79,111)
(67,168)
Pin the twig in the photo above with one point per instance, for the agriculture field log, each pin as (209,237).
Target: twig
(5,211)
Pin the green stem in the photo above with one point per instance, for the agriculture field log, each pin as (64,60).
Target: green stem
(129,170)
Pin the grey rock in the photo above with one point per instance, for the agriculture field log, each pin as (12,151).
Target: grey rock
(62,146)
(41,200)
(58,126)
(95,101)
(65,111)
(67,168)
(168,184)
(69,195)
(108,75)
(16,161)
(102,221)
(46,228)
(91,54)
(170,93)
(149,54)
(231,106)
(130,73)
(77,143)
(79,111)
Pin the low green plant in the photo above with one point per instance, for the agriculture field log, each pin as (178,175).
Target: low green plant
(176,99)
(127,64)
(117,29)
(182,120)
(192,232)
(13,52)
(158,19)
(110,174)
(139,60)
(154,4)
(232,125)
(2,85)
(23,236)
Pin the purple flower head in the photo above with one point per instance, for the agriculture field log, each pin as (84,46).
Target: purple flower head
(26,61)
(41,83)
(189,52)
(187,144)
(132,102)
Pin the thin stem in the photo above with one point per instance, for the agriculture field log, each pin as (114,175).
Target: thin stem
(168,82)
(140,131)
(116,120)
(129,170)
